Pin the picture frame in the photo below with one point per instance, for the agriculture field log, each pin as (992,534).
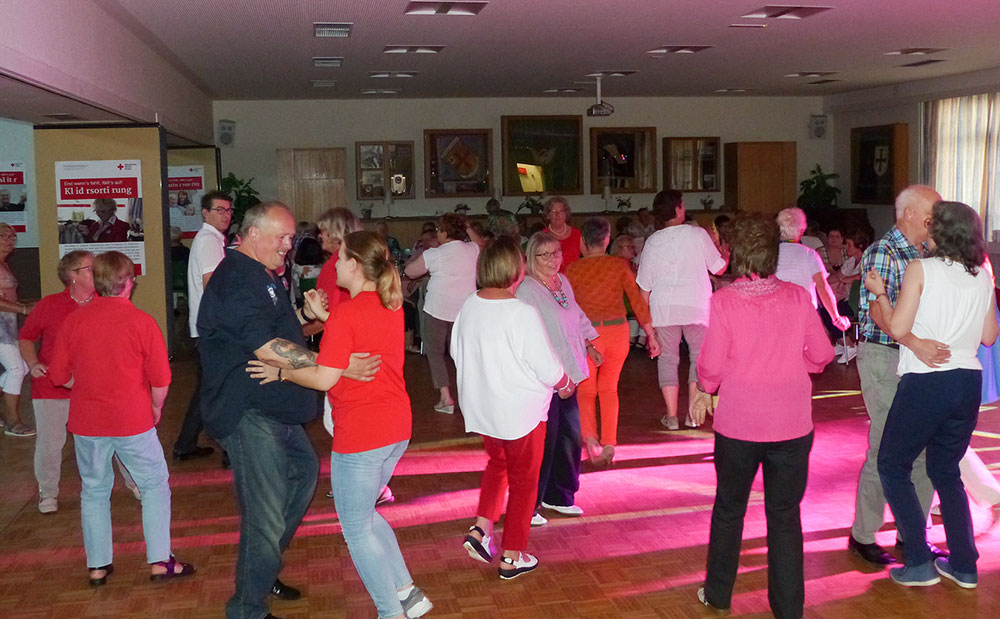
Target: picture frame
(458,163)
(879,163)
(550,151)
(384,165)
(692,163)
(623,158)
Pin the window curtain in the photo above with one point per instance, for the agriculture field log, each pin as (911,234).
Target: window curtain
(961,138)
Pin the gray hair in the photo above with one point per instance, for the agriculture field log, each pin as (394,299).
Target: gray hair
(912,196)
(792,222)
(538,240)
(595,230)
(551,202)
(257,214)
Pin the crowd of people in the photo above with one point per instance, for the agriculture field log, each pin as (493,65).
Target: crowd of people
(748,298)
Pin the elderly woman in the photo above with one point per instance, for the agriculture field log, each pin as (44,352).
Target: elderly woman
(506,374)
(114,407)
(14,367)
(801,265)
(601,283)
(452,266)
(557,214)
(571,335)
(950,298)
(108,228)
(763,340)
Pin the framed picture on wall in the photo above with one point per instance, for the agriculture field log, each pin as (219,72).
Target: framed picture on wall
(458,163)
(384,166)
(623,158)
(879,163)
(542,154)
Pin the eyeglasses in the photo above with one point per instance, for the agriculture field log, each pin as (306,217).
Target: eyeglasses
(9,237)
(221,209)
(86,268)
(549,254)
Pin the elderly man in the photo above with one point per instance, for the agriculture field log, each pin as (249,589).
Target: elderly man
(7,205)
(878,356)
(245,313)
(207,251)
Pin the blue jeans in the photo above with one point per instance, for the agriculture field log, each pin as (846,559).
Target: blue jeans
(936,411)
(357,480)
(274,471)
(142,455)
(559,475)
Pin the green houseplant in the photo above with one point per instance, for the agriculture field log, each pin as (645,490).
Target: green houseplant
(816,192)
(243,194)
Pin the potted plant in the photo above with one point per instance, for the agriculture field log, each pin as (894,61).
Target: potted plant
(816,192)
(243,194)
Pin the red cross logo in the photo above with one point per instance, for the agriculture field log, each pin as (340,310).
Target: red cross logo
(121,167)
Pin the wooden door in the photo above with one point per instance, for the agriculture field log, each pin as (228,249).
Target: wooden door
(312,180)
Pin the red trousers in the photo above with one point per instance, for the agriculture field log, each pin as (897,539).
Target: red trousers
(602,385)
(512,464)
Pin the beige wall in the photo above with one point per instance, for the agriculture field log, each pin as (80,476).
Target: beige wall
(262,127)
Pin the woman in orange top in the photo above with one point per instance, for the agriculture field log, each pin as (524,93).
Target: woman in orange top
(601,283)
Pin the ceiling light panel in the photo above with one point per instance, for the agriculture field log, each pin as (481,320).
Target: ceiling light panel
(916,51)
(679,49)
(380,91)
(811,74)
(413,49)
(332,30)
(748,25)
(819,82)
(327,61)
(731,91)
(780,11)
(466,8)
(324,83)
(924,63)
(610,73)
(383,74)
(561,90)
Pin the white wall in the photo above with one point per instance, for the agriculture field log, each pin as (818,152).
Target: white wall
(17,143)
(262,127)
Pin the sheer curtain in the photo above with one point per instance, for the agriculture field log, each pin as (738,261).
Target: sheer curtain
(961,137)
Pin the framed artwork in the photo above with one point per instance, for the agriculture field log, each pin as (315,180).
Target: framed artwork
(623,158)
(691,164)
(458,163)
(384,166)
(542,154)
(879,163)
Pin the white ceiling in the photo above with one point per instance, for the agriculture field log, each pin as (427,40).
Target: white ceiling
(262,49)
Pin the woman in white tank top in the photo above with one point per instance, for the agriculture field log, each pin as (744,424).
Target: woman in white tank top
(948,297)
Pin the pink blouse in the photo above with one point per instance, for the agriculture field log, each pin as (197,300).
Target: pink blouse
(763,340)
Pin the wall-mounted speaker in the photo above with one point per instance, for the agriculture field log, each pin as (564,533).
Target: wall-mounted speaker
(226,136)
(817,127)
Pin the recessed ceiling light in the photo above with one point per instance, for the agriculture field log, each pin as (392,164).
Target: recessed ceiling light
(324,83)
(562,90)
(812,74)
(436,7)
(924,63)
(327,61)
(392,74)
(779,11)
(679,49)
(916,51)
(731,91)
(412,49)
(337,30)
(610,73)
(748,25)
(380,91)
(826,81)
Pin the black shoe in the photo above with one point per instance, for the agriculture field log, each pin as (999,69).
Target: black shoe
(937,552)
(197,452)
(872,553)
(226,465)
(284,592)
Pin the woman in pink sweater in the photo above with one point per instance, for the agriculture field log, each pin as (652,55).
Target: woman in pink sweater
(763,340)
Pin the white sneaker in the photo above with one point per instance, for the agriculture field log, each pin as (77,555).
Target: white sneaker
(670,423)
(48,506)
(689,422)
(838,349)
(569,510)
(522,565)
(539,520)
(849,353)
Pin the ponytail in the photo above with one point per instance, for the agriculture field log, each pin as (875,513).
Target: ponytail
(370,251)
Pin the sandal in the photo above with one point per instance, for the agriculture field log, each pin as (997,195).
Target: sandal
(171,566)
(522,565)
(478,549)
(19,429)
(103,580)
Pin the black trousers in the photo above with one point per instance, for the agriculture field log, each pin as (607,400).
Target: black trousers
(187,439)
(786,467)
(559,476)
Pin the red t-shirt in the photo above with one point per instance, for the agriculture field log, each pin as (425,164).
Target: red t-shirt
(570,247)
(44,322)
(327,282)
(115,353)
(367,415)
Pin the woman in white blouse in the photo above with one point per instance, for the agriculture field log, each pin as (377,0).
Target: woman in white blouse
(506,374)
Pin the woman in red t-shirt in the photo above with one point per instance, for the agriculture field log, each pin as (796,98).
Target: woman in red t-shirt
(557,214)
(371,420)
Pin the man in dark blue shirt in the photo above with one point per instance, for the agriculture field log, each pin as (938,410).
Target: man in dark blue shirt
(245,314)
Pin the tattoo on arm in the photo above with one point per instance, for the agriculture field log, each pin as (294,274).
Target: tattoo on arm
(295,355)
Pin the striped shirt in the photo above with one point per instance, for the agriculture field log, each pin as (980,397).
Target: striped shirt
(889,257)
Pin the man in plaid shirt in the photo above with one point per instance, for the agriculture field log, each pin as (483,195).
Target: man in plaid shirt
(878,356)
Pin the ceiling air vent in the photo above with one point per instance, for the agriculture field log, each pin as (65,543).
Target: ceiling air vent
(332,30)
(327,61)
(324,83)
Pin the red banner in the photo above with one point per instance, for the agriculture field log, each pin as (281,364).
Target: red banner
(11,178)
(89,188)
(184,182)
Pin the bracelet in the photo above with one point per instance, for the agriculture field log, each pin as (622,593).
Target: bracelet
(24,309)
(281,378)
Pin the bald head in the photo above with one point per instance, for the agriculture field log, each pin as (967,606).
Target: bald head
(913,211)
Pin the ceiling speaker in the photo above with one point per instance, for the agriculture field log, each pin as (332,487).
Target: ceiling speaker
(227,133)
(817,127)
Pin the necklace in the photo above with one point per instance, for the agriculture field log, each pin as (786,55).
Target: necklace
(558,295)
(88,300)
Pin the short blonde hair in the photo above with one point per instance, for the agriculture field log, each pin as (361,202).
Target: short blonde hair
(538,240)
(112,270)
(339,222)
(792,223)
(500,263)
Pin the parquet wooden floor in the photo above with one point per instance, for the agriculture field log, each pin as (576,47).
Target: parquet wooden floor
(639,551)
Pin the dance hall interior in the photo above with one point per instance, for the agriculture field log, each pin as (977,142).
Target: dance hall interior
(405,112)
